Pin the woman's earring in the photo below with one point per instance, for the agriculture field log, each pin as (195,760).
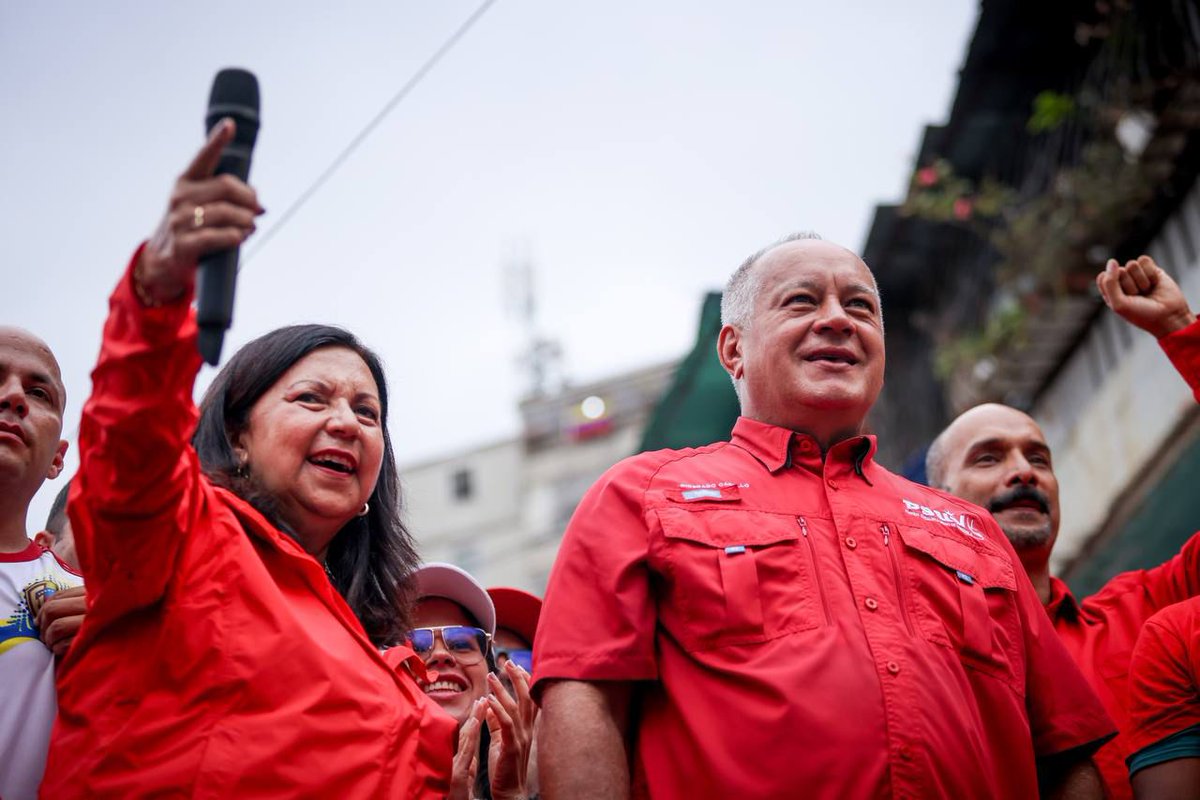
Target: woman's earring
(243,468)
(366,507)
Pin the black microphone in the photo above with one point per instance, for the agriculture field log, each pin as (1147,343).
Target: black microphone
(234,94)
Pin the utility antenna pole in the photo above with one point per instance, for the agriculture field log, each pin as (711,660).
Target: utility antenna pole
(540,357)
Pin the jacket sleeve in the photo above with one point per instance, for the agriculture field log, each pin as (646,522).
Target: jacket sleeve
(1173,581)
(1183,348)
(139,479)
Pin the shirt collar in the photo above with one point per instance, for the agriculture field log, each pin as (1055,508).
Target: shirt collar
(1062,603)
(778,448)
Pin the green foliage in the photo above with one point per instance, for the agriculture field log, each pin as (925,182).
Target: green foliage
(1042,241)
(1050,109)
(1005,327)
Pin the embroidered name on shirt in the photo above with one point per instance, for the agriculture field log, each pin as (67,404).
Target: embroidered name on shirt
(965,524)
(720,491)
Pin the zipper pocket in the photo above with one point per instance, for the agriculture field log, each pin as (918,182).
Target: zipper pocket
(812,559)
(901,595)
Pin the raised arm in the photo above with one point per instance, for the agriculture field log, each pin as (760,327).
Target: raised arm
(1146,296)
(129,506)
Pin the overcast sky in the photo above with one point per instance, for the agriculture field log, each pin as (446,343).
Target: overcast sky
(636,151)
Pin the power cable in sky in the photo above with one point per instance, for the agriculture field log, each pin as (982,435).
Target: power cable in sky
(349,149)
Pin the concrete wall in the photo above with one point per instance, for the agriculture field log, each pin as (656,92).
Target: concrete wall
(472,531)
(1113,406)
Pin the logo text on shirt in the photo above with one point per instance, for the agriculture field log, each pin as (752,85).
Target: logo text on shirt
(964,523)
(719,490)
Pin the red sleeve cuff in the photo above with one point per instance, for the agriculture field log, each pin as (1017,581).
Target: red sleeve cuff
(1183,348)
(157,324)
(593,667)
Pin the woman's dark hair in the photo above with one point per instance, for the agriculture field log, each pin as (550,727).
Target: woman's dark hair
(370,559)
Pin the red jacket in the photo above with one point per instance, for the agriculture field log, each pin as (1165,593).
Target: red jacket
(216,661)
(1100,632)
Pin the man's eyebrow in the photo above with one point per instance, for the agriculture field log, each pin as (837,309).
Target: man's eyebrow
(799,283)
(44,377)
(999,442)
(985,444)
(864,288)
(47,379)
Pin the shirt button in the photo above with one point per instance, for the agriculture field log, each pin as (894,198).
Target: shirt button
(832,483)
(806,446)
(851,542)
(871,605)
(893,667)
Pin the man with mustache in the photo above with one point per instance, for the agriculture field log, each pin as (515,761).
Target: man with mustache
(777,615)
(997,457)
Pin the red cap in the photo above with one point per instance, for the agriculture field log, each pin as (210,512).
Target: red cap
(516,610)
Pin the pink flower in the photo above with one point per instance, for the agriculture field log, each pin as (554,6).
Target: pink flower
(927,177)
(962,208)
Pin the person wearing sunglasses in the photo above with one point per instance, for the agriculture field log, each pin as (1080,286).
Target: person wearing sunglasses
(453,633)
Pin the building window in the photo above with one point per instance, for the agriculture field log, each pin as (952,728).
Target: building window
(462,486)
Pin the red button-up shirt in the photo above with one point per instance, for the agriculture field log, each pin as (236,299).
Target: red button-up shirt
(1101,631)
(809,626)
(1164,677)
(216,660)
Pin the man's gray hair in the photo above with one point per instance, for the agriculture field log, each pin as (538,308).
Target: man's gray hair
(737,302)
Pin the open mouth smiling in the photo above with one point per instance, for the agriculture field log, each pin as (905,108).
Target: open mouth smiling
(832,355)
(446,685)
(335,461)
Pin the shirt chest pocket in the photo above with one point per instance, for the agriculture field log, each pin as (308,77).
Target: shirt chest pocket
(965,598)
(733,577)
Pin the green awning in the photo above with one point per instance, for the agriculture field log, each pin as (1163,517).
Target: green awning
(700,406)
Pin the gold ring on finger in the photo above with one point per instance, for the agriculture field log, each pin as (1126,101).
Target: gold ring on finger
(198,217)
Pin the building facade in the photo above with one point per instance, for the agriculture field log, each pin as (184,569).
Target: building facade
(499,511)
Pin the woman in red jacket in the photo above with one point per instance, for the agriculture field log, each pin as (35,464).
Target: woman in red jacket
(240,582)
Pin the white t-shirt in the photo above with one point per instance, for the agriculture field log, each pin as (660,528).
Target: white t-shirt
(28,702)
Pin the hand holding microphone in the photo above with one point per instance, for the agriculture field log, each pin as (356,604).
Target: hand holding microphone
(210,213)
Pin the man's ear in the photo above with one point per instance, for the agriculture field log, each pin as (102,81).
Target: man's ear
(729,350)
(56,466)
(44,539)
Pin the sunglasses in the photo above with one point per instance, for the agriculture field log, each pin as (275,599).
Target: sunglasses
(522,658)
(468,645)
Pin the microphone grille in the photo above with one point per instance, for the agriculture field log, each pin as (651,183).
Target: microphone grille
(235,94)
(235,86)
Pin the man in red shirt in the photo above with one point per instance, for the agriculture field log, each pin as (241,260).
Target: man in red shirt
(778,615)
(1164,705)
(997,457)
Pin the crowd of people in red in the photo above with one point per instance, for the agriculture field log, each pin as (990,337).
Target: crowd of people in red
(226,603)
